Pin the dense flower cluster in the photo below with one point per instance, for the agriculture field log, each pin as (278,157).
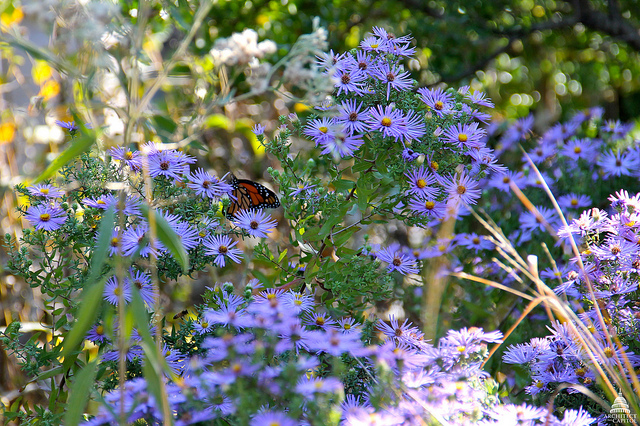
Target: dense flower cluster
(611,260)
(375,104)
(263,358)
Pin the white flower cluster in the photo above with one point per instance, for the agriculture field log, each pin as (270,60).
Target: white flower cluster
(241,48)
(302,69)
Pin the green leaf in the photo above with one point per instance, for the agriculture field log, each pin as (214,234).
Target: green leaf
(282,255)
(89,308)
(80,145)
(340,239)
(80,391)
(167,236)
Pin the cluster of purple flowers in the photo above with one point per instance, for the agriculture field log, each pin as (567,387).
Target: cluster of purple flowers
(263,358)
(611,259)
(444,118)
(583,149)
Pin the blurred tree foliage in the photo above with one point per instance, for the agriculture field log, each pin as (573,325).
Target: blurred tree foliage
(552,57)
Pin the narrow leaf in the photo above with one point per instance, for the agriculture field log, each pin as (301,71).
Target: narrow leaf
(77,147)
(168,236)
(80,391)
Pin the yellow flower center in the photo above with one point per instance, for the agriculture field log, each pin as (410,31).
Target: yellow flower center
(323,129)
(429,205)
(439,105)
(461,189)
(421,183)
(435,166)
(386,122)
(462,137)
(128,155)
(45,217)
(99,330)
(44,191)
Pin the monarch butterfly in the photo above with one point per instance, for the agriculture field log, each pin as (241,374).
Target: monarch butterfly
(249,195)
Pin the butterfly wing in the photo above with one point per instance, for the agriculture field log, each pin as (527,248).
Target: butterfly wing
(249,195)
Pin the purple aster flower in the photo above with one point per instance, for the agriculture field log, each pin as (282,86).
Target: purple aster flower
(256,222)
(349,325)
(390,39)
(440,102)
(388,121)
(409,155)
(480,98)
(351,117)
(71,126)
(258,129)
(461,188)
(574,201)
(45,190)
(112,291)
(617,164)
(441,247)
(298,302)
(327,60)
(502,182)
(616,129)
(350,80)
(229,316)
(175,359)
(133,159)
(541,152)
(300,188)
(393,123)
(517,414)
(393,76)
(405,333)
(321,130)
(115,243)
(413,127)
(272,418)
(293,336)
(221,246)
(309,387)
(363,60)
(397,260)
(320,319)
(97,335)
(188,235)
(580,149)
(465,135)
(615,248)
(46,217)
(103,202)
(135,236)
(474,241)
(342,146)
(143,283)
(372,44)
(530,222)
(428,207)
(517,131)
(578,417)
(171,164)
(520,354)
(207,185)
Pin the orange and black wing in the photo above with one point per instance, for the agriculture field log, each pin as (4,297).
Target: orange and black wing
(249,195)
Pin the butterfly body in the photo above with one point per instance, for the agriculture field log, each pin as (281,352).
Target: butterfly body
(249,195)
